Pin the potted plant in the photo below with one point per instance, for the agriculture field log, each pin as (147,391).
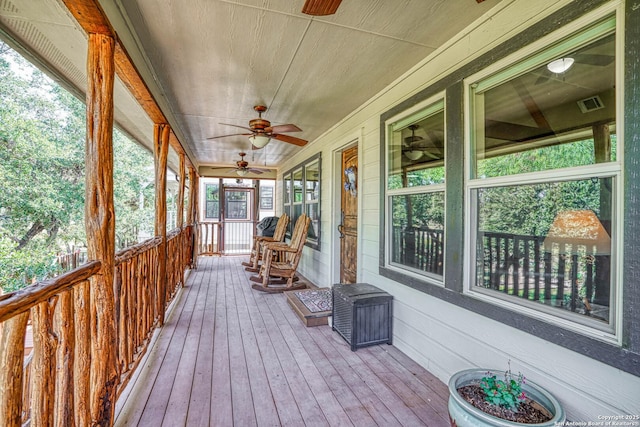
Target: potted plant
(478,397)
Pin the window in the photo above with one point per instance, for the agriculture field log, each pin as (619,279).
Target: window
(544,175)
(415,190)
(312,197)
(236,205)
(302,195)
(266,198)
(212,201)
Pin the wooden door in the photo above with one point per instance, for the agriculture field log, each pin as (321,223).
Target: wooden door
(349,214)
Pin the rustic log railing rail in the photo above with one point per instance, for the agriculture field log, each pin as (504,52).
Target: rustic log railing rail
(419,247)
(560,275)
(51,386)
(178,260)
(209,238)
(58,378)
(136,292)
(71,260)
(517,265)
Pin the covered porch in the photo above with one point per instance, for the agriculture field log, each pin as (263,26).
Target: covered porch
(158,335)
(229,355)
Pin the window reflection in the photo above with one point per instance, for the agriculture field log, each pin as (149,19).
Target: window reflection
(417,235)
(548,243)
(542,120)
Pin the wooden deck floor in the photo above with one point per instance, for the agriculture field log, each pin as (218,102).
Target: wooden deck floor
(232,356)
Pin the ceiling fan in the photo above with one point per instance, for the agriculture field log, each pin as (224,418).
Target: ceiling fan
(415,147)
(320,7)
(242,167)
(261,131)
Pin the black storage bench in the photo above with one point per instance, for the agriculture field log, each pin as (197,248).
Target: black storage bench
(362,314)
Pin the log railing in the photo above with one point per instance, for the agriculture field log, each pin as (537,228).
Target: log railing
(209,238)
(562,275)
(419,247)
(179,248)
(574,278)
(51,386)
(136,294)
(57,381)
(71,260)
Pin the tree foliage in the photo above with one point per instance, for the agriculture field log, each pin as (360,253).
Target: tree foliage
(529,209)
(42,170)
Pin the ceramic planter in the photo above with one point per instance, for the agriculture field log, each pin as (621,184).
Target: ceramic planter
(463,414)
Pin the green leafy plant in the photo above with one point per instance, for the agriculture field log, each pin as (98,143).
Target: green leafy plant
(507,392)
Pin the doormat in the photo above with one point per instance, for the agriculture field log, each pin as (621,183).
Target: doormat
(315,300)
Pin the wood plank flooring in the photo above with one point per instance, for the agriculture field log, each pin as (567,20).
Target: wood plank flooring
(232,356)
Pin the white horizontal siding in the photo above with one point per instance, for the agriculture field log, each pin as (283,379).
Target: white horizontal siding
(442,337)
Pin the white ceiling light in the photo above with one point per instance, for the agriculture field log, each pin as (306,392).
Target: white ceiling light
(413,154)
(259,141)
(242,172)
(561,65)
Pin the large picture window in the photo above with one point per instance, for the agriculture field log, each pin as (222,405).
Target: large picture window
(415,190)
(543,180)
(302,195)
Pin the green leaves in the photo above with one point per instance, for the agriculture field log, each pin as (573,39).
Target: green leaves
(506,393)
(42,170)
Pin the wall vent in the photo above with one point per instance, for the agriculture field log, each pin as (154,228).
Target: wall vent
(590,104)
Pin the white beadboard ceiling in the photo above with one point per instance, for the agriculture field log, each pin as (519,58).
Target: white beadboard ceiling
(211,61)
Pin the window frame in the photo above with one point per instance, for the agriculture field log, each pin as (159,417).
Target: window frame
(206,202)
(578,33)
(289,208)
(266,198)
(432,105)
(625,356)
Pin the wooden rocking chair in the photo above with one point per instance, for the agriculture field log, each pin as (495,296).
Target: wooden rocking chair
(259,241)
(280,261)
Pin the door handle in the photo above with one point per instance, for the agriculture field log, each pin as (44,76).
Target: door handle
(341,226)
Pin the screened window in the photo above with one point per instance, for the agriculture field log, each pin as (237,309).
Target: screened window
(415,190)
(544,175)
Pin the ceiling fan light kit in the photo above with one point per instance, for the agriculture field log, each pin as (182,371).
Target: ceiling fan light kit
(261,131)
(561,65)
(259,141)
(412,151)
(413,154)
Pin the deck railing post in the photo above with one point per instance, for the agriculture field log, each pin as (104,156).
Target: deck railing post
(100,225)
(161,151)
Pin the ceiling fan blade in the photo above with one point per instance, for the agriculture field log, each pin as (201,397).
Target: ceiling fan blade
(290,139)
(231,134)
(541,79)
(238,126)
(283,129)
(256,171)
(321,7)
(594,59)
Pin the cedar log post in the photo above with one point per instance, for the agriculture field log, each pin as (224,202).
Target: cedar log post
(161,151)
(192,191)
(191,215)
(11,374)
(180,204)
(100,226)
(194,182)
